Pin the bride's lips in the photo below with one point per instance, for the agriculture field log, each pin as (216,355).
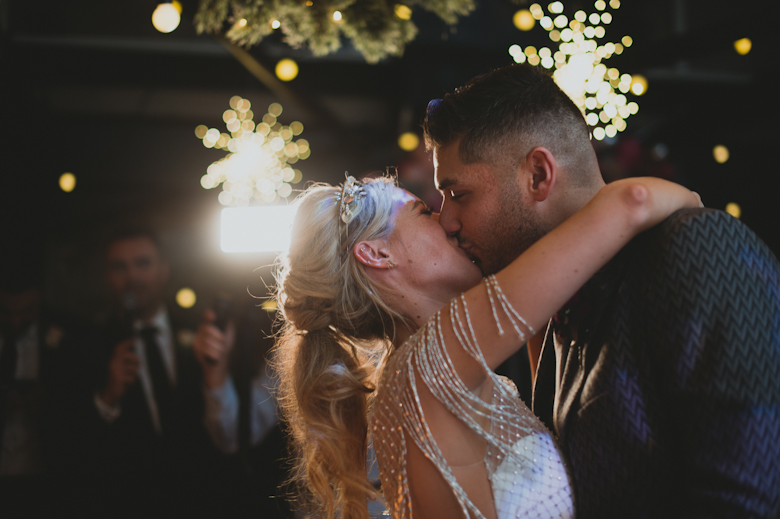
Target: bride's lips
(468,251)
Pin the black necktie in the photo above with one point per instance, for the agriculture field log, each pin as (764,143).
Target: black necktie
(161,384)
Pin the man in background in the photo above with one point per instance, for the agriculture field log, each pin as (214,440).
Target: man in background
(150,448)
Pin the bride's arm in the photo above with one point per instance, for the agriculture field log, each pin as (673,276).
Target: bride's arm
(551,271)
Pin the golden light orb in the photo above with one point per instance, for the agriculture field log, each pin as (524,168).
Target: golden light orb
(275,24)
(275,109)
(403,12)
(638,85)
(286,69)
(337,16)
(555,7)
(734,209)
(269,305)
(166,18)
(242,22)
(67,182)
(524,20)
(408,141)
(743,46)
(720,153)
(186,298)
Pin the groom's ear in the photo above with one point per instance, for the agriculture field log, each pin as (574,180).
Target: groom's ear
(372,253)
(543,170)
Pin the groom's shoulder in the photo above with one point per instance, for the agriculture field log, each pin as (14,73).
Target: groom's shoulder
(700,237)
(695,228)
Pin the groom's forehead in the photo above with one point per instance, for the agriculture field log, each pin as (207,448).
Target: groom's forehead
(463,175)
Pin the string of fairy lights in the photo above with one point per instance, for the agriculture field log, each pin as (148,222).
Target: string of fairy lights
(579,62)
(258,166)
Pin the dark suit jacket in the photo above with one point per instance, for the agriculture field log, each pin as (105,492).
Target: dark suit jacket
(669,399)
(129,458)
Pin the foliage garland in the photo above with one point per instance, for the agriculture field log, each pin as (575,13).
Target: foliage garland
(377,28)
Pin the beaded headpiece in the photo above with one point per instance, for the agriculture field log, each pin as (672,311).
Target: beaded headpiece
(351,192)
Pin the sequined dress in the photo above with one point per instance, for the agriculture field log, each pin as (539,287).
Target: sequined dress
(525,467)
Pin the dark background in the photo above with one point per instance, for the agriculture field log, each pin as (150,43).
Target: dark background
(90,87)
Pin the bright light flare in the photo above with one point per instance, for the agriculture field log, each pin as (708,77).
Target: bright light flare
(734,209)
(524,20)
(408,141)
(257,229)
(638,85)
(67,182)
(720,153)
(186,298)
(286,69)
(743,46)
(402,12)
(166,18)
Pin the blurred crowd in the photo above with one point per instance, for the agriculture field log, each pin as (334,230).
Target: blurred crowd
(149,412)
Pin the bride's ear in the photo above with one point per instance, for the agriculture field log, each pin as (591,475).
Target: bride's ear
(372,254)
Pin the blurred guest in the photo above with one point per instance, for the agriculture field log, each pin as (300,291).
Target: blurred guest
(151,450)
(240,409)
(40,374)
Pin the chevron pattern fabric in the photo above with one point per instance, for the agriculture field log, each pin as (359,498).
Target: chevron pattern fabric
(669,398)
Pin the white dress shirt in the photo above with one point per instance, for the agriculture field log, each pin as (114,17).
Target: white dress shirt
(221,416)
(168,353)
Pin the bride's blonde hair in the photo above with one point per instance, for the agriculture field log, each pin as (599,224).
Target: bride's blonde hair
(335,334)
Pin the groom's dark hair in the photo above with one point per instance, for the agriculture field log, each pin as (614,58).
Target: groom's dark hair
(507,112)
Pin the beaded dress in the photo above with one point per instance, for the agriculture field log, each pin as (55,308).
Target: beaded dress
(526,470)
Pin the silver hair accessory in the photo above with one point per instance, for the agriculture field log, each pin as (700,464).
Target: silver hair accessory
(351,193)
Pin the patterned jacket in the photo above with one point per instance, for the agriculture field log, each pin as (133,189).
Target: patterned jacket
(668,401)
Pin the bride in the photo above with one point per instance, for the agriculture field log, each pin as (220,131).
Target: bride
(391,338)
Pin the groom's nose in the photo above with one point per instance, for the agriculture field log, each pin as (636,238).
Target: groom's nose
(449,220)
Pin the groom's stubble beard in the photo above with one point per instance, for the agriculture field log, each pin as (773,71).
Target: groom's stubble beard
(514,229)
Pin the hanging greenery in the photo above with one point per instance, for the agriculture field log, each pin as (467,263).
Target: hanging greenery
(377,28)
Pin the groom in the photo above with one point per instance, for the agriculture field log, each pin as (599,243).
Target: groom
(661,378)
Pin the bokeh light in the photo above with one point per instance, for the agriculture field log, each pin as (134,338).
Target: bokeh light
(67,182)
(337,16)
(743,46)
(638,85)
(186,298)
(402,12)
(734,209)
(720,153)
(578,63)
(524,20)
(408,141)
(166,17)
(257,168)
(286,69)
